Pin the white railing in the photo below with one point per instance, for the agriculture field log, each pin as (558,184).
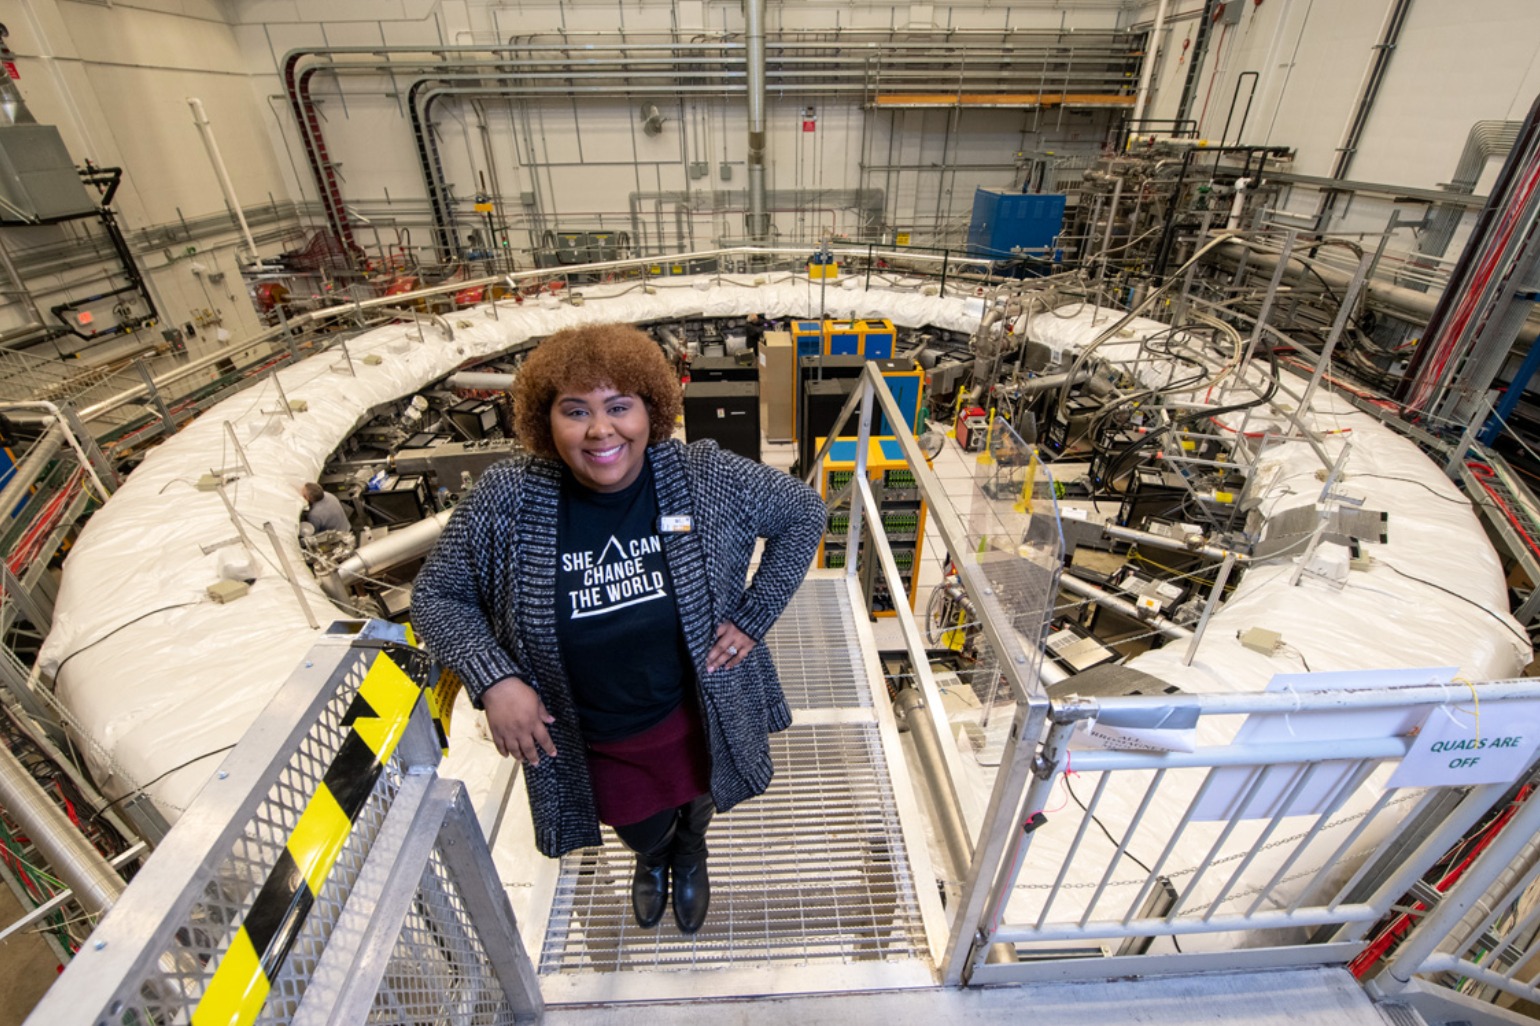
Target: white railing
(1269,845)
(1473,952)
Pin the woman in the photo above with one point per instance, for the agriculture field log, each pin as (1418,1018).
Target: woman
(594,598)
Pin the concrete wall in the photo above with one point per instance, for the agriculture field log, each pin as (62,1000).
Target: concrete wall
(586,162)
(115,81)
(1455,63)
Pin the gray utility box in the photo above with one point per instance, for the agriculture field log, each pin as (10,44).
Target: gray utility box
(38,181)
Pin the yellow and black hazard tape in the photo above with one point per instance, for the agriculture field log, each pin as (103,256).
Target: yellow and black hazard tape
(441,696)
(376,719)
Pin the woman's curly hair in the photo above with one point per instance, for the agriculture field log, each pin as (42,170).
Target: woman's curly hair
(579,360)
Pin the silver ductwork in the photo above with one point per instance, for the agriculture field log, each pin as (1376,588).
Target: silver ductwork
(758,226)
(68,854)
(397,547)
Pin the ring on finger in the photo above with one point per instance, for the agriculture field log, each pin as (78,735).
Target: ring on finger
(732,649)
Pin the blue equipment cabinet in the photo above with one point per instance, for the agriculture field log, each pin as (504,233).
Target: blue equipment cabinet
(1003,220)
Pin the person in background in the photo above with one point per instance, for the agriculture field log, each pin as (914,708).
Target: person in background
(325,512)
(594,595)
(753,331)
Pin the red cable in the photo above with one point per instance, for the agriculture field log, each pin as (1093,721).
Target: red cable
(1483,473)
(1402,923)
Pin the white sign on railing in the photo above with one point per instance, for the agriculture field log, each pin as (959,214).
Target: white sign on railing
(1456,748)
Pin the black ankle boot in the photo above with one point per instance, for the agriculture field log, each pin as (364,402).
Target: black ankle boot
(649,891)
(692,892)
(692,885)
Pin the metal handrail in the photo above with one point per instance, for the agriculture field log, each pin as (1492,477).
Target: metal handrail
(998,824)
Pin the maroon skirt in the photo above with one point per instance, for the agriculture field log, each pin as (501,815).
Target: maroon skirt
(661,768)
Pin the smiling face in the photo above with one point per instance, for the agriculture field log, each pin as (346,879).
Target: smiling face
(601,436)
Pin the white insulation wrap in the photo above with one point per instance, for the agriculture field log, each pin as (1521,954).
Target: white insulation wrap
(157,678)
(1379,619)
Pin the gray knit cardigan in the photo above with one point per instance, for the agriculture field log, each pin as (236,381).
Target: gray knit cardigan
(485,605)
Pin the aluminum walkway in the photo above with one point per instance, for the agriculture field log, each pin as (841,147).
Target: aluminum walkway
(823,884)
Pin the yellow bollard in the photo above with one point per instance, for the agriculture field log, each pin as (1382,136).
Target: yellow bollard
(1024,501)
(986,457)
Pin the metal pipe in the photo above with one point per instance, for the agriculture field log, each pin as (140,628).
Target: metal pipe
(392,550)
(28,470)
(759,222)
(1399,301)
(1160,541)
(71,857)
(1085,590)
(909,706)
(1147,66)
(225,186)
(482,381)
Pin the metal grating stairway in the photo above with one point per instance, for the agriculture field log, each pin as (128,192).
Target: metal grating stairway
(812,876)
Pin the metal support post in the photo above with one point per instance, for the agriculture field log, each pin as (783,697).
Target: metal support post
(1289,237)
(235,518)
(240,453)
(283,397)
(863,443)
(464,850)
(154,393)
(288,573)
(39,612)
(102,471)
(342,344)
(1208,607)
(1349,300)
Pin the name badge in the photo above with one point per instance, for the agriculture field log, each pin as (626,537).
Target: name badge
(675,525)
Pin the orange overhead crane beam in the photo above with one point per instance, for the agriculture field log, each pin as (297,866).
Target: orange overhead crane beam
(1003,100)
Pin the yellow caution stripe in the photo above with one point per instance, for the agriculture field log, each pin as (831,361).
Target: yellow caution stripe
(378,716)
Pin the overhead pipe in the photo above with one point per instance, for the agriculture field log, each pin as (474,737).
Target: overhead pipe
(72,858)
(1407,304)
(1147,66)
(1465,269)
(1486,139)
(568,69)
(759,221)
(225,186)
(1374,75)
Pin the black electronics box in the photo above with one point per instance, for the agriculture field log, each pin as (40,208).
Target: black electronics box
(402,500)
(474,418)
(723,368)
(821,404)
(1152,493)
(1069,431)
(727,411)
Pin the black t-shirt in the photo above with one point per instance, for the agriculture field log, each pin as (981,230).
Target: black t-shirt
(617,621)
